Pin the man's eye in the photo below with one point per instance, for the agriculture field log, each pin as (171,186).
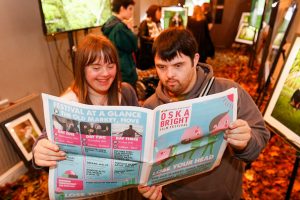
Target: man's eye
(178,65)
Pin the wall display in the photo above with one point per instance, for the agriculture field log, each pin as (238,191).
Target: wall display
(283,27)
(174,16)
(65,15)
(250,23)
(246,34)
(265,33)
(22,130)
(257,9)
(276,50)
(245,18)
(283,109)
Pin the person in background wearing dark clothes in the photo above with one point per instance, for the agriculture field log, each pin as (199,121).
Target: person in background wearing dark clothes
(198,25)
(181,77)
(118,28)
(206,7)
(149,29)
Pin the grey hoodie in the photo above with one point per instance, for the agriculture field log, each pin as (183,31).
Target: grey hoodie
(225,181)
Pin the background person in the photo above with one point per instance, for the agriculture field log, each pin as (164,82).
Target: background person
(96,83)
(118,28)
(149,29)
(198,25)
(181,78)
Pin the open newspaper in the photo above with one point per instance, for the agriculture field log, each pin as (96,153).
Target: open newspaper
(115,147)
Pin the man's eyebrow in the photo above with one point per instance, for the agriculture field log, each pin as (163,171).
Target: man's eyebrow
(178,63)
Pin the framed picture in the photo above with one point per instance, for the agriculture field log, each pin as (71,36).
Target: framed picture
(22,130)
(283,110)
(245,18)
(174,16)
(246,34)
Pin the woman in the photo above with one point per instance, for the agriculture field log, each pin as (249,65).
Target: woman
(198,25)
(149,29)
(96,82)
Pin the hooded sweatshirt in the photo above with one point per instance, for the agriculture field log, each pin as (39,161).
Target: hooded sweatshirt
(126,43)
(225,181)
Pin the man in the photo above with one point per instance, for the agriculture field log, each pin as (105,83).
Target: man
(130,132)
(181,78)
(118,29)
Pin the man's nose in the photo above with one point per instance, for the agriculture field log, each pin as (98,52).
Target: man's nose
(170,73)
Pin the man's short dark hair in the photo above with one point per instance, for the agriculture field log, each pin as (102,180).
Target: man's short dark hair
(116,4)
(175,40)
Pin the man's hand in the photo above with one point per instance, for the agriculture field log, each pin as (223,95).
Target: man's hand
(46,153)
(238,134)
(152,193)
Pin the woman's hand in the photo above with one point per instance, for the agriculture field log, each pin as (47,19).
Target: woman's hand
(46,153)
(152,193)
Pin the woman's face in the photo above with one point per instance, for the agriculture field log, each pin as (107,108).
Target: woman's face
(158,15)
(100,76)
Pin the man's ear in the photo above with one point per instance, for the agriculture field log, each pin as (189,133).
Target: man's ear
(196,59)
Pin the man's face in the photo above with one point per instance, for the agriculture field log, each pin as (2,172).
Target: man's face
(178,76)
(127,13)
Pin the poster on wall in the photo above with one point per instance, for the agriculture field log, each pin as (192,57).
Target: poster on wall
(174,16)
(283,110)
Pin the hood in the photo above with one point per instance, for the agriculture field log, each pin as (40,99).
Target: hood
(110,24)
(204,73)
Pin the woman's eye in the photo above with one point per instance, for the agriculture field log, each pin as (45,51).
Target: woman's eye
(96,68)
(110,66)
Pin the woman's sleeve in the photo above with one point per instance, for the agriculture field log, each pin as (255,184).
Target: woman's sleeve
(42,136)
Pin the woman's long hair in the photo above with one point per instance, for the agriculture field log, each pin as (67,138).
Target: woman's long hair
(92,48)
(198,14)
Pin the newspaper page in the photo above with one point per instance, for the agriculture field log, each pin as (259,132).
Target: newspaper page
(189,137)
(115,147)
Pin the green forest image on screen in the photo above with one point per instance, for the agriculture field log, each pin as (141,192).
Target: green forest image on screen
(67,15)
(286,110)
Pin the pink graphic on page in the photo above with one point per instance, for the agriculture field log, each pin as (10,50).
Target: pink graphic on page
(191,134)
(66,137)
(69,174)
(69,184)
(96,141)
(163,154)
(219,123)
(127,143)
(230,97)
